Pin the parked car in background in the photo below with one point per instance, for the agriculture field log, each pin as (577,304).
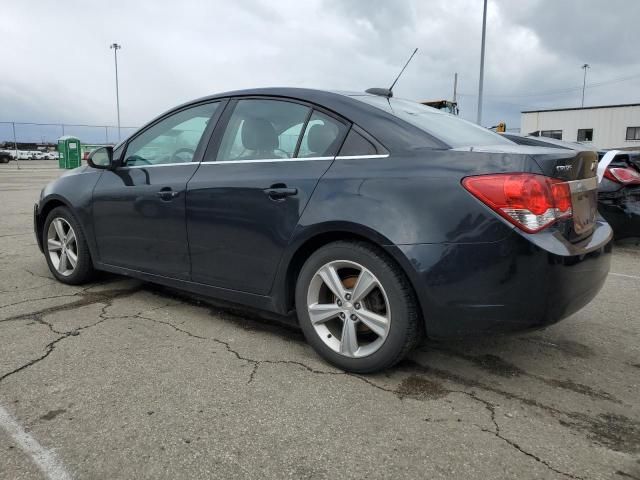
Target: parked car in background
(619,190)
(5,156)
(377,220)
(619,194)
(24,154)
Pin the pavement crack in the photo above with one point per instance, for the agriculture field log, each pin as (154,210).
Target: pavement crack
(103,297)
(28,300)
(531,455)
(491,408)
(257,363)
(84,298)
(49,348)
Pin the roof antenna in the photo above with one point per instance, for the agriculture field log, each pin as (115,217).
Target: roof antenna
(388,92)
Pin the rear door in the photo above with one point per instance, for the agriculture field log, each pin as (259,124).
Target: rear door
(139,208)
(245,200)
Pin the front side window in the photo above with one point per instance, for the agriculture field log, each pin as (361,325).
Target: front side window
(448,128)
(262,130)
(172,140)
(633,133)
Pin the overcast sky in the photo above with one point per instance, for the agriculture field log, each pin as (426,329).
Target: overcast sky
(57,65)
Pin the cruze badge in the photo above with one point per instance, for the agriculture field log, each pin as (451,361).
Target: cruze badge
(564,168)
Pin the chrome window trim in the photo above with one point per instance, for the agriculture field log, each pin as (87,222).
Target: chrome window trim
(269,160)
(156,165)
(273,160)
(349,157)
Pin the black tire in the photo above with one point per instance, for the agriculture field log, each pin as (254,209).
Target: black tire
(405,330)
(84,270)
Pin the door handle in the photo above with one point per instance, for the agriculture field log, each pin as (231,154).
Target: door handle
(280,192)
(167,194)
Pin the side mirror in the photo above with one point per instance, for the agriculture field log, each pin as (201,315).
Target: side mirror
(101,157)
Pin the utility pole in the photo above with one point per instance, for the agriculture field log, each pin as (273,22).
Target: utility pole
(584,81)
(115,48)
(15,143)
(455,87)
(481,82)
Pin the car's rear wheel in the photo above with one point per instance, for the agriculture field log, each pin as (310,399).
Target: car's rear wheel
(66,248)
(356,307)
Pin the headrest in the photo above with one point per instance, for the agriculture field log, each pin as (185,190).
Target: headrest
(259,134)
(321,137)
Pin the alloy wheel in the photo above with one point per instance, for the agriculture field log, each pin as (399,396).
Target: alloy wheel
(348,308)
(62,245)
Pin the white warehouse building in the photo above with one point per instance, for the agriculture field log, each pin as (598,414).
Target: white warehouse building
(610,126)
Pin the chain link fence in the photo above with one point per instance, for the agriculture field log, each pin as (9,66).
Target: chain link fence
(18,135)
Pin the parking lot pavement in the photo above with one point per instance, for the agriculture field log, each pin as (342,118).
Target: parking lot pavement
(121,379)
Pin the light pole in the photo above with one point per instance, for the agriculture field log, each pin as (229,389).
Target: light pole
(584,81)
(481,82)
(115,48)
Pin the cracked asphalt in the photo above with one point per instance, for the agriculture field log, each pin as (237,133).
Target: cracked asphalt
(124,379)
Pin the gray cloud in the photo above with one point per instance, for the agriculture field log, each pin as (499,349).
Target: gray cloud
(176,51)
(604,32)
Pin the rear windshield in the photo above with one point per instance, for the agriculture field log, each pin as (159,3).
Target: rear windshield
(448,128)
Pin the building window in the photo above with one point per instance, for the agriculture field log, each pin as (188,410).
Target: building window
(633,133)
(585,134)
(557,134)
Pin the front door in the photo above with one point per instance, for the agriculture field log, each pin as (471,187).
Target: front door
(245,200)
(139,208)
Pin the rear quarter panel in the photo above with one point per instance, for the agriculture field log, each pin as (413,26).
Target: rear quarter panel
(415,198)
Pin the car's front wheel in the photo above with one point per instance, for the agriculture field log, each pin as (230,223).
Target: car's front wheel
(356,307)
(66,248)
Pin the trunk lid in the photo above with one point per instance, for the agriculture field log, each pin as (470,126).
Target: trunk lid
(575,166)
(578,169)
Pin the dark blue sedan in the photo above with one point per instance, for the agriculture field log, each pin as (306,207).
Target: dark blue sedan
(378,220)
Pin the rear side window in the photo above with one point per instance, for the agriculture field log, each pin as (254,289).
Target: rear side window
(356,144)
(263,129)
(322,137)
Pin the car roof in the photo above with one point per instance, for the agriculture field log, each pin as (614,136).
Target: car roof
(308,94)
(393,133)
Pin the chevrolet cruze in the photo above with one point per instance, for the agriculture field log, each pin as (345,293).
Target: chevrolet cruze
(377,220)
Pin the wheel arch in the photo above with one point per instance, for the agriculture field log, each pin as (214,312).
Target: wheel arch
(44,209)
(314,238)
(46,206)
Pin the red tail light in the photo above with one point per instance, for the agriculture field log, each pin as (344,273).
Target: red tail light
(531,202)
(625,176)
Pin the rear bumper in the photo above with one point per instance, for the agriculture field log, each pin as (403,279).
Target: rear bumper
(511,285)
